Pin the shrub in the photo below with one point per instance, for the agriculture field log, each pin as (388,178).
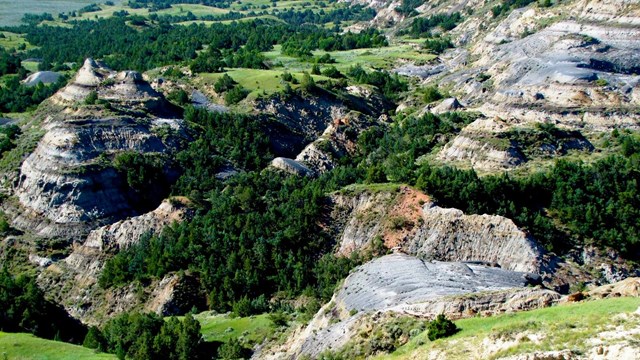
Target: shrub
(437,46)
(432,94)
(232,349)
(95,340)
(179,97)
(223,84)
(279,318)
(286,76)
(307,84)
(91,99)
(332,72)
(441,327)
(235,95)
(601,82)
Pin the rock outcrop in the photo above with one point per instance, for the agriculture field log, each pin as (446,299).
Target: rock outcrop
(405,284)
(492,144)
(447,105)
(450,235)
(42,77)
(68,185)
(407,220)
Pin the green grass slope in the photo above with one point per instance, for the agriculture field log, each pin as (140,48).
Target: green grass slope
(26,346)
(222,328)
(574,327)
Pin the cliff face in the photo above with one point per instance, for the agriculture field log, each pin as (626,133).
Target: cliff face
(68,185)
(405,219)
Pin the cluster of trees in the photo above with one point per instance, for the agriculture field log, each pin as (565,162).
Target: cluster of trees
(421,27)
(236,44)
(351,13)
(17,97)
(9,63)
(408,7)
(35,19)
(438,45)
(149,336)
(165,4)
(391,152)
(214,60)
(508,5)
(219,138)
(256,234)
(301,44)
(8,136)
(390,85)
(189,16)
(23,308)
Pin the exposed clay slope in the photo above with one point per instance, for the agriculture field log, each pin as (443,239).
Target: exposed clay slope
(68,186)
(407,220)
(490,144)
(574,64)
(405,284)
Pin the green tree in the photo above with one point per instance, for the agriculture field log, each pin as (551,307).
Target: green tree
(431,94)
(91,99)
(189,339)
(224,83)
(441,327)
(231,350)
(307,84)
(94,339)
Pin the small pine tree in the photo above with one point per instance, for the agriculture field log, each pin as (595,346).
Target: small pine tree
(91,99)
(441,327)
(307,84)
(94,339)
(432,94)
(232,349)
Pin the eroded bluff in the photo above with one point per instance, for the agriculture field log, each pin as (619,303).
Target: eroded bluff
(73,282)
(407,220)
(71,183)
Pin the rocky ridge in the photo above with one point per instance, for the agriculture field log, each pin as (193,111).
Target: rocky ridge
(311,134)
(573,64)
(67,186)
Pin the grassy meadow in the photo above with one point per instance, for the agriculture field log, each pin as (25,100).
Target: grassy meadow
(222,328)
(11,11)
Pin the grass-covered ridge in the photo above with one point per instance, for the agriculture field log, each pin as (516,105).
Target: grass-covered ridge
(559,327)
